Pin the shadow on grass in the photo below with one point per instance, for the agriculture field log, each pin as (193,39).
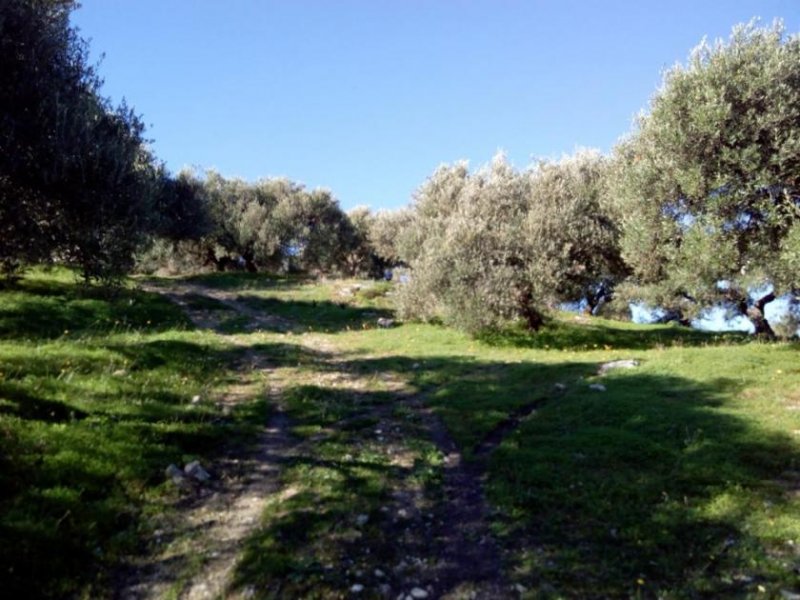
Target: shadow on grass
(249,281)
(583,335)
(337,479)
(653,487)
(321,316)
(47,310)
(18,402)
(83,450)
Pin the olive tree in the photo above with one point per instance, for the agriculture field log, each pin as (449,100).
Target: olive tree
(497,244)
(76,181)
(386,229)
(315,233)
(571,241)
(707,188)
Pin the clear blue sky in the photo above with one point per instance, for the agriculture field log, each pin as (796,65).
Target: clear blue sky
(368,97)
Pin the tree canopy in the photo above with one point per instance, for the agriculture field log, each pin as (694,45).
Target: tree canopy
(77,182)
(707,188)
(501,244)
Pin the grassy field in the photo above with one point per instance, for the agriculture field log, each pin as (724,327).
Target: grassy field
(680,479)
(95,402)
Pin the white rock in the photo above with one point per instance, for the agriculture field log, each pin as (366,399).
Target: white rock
(597,387)
(195,399)
(385,323)
(173,471)
(357,588)
(177,476)
(379,573)
(418,593)
(628,363)
(120,373)
(196,471)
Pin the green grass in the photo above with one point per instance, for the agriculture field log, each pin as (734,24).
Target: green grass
(679,481)
(311,543)
(95,401)
(675,482)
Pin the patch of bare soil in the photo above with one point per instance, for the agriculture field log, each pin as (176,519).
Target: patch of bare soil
(437,538)
(194,557)
(466,557)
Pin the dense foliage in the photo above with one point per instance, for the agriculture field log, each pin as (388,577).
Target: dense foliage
(500,244)
(77,183)
(271,225)
(707,189)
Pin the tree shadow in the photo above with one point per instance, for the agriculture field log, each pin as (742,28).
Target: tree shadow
(322,316)
(82,449)
(313,543)
(249,281)
(588,334)
(653,487)
(56,309)
(20,403)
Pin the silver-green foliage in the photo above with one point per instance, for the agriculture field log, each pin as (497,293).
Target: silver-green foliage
(272,224)
(500,244)
(707,188)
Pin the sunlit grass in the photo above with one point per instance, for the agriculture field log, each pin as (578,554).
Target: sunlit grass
(676,480)
(679,480)
(95,401)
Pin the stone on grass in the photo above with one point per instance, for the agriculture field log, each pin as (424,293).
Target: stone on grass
(385,323)
(177,476)
(597,387)
(357,588)
(628,363)
(196,471)
(195,399)
(418,593)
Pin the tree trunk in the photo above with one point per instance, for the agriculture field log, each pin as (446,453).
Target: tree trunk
(532,316)
(249,262)
(756,314)
(211,259)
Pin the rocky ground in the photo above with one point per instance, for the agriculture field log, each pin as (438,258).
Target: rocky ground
(436,540)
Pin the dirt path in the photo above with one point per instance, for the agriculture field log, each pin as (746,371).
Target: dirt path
(440,538)
(206,541)
(469,561)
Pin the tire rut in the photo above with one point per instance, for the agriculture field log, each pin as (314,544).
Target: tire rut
(441,536)
(212,526)
(469,563)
